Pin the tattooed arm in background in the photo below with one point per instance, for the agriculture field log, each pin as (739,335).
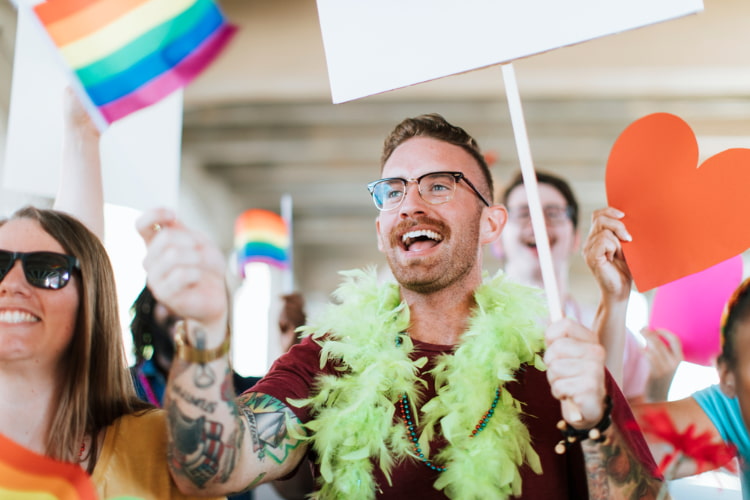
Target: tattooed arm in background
(614,470)
(621,466)
(615,473)
(218,444)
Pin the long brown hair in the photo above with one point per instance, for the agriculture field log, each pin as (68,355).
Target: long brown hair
(95,388)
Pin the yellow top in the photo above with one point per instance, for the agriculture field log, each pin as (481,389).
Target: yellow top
(133,460)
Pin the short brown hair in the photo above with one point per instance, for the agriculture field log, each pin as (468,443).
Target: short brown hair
(435,126)
(555,181)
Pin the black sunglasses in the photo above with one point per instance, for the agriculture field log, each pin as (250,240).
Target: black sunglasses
(48,270)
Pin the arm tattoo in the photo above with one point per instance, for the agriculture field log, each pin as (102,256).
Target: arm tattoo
(197,449)
(207,406)
(267,420)
(204,376)
(614,473)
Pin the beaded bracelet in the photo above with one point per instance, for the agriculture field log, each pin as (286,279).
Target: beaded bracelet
(596,433)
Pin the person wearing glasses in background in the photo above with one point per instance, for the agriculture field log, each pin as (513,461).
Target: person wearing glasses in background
(428,387)
(639,371)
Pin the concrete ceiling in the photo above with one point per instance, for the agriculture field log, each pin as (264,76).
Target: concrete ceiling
(260,123)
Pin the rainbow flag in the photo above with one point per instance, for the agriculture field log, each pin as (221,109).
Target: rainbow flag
(261,236)
(25,475)
(129,54)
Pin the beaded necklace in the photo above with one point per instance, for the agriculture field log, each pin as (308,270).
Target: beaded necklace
(353,430)
(405,411)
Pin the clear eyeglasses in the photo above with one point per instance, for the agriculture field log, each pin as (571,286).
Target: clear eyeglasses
(434,188)
(554,215)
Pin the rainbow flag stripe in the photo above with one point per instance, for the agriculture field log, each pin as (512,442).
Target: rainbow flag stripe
(25,475)
(129,54)
(261,236)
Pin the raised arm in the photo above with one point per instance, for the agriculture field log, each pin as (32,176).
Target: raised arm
(80,191)
(217,444)
(618,465)
(603,254)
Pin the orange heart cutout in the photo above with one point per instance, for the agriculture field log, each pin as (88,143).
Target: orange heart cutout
(683,218)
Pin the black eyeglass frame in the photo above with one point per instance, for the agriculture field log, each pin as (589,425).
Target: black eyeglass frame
(458,176)
(567,212)
(71,262)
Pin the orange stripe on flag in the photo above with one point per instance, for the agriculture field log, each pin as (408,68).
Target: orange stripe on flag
(90,19)
(23,470)
(16,480)
(54,10)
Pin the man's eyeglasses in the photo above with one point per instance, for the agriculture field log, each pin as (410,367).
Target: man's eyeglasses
(554,215)
(434,188)
(48,270)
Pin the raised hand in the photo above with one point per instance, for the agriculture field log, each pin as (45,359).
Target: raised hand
(185,271)
(604,256)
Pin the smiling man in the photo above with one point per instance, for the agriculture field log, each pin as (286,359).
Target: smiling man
(517,243)
(431,386)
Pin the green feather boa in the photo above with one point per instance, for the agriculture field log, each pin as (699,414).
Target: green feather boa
(353,428)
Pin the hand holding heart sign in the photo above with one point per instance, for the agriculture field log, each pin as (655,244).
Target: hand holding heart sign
(683,217)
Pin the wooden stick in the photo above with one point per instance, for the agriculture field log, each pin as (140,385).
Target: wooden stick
(538,224)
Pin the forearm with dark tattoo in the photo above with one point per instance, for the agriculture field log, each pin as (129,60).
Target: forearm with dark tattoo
(614,473)
(221,444)
(199,449)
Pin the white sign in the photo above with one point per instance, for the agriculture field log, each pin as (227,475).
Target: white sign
(373,46)
(140,153)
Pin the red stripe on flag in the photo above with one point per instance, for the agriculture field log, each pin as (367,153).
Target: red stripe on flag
(54,10)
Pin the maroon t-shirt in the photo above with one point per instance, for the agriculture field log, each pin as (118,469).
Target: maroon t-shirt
(563,476)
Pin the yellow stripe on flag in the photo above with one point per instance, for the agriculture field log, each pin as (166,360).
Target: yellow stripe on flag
(27,485)
(87,20)
(257,235)
(124,30)
(25,495)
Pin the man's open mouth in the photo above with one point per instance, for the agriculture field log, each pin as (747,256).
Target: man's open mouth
(421,239)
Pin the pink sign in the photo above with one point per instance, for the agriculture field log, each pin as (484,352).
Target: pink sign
(691,308)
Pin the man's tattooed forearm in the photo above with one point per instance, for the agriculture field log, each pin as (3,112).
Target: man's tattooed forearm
(207,406)
(196,447)
(266,419)
(611,468)
(203,376)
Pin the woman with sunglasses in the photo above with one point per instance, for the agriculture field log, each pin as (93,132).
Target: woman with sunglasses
(65,390)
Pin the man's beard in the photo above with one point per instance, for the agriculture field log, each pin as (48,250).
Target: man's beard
(429,276)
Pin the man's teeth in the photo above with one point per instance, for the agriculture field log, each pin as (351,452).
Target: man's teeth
(16,317)
(422,233)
